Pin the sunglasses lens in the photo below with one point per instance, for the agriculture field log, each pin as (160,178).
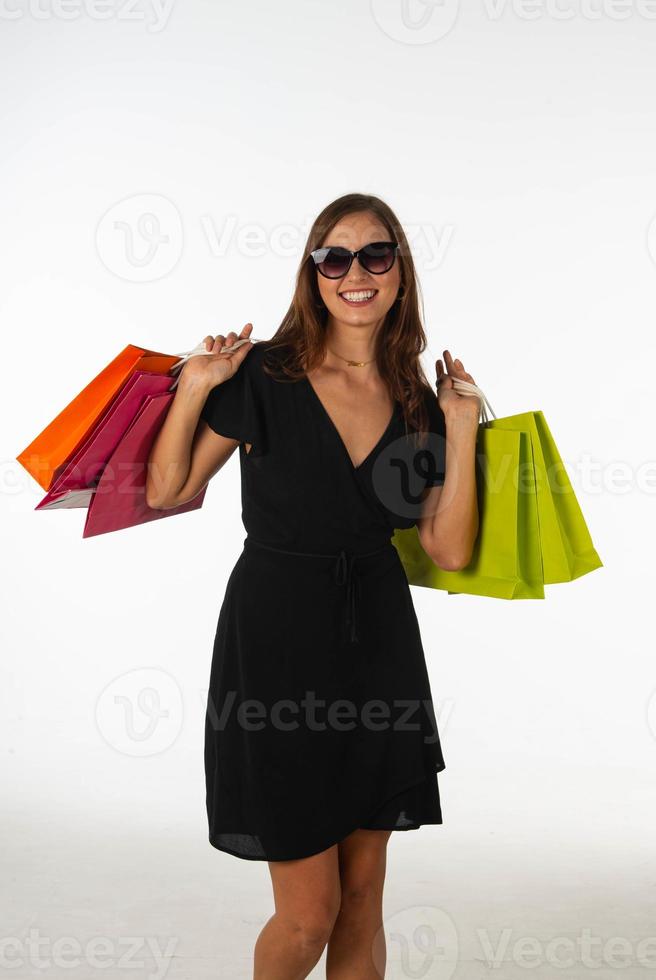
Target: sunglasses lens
(378,257)
(335,263)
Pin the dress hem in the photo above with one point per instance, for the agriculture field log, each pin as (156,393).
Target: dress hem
(342,835)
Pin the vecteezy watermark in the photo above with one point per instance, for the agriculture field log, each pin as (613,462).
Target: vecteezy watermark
(140,238)
(415,21)
(140,712)
(565,952)
(154,13)
(592,10)
(651,239)
(252,240)
(426,21)
(403,470)
(127,953)
(396,477)
(422,942)
(320,715)
(651,713)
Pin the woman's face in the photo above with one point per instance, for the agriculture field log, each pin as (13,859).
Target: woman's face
(352,232)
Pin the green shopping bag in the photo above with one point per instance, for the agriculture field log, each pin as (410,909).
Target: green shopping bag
(567,549)
(531,528)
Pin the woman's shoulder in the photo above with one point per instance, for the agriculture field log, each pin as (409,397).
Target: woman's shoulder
(260,350)
(253,363)
(264,357)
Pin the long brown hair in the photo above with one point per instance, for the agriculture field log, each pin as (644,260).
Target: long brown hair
(401,338)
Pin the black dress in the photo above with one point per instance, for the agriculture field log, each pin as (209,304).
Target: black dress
(319,716)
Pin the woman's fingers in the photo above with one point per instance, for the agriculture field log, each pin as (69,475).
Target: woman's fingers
(457,368)
(442,374)
(244,335)
(453,367)
(214,344)
(240,354)
(229,339)
(465,374)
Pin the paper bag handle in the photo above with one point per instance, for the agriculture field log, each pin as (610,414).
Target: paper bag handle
(467,388)
(201,349)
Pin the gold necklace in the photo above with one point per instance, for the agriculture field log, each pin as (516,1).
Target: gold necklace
(352,363)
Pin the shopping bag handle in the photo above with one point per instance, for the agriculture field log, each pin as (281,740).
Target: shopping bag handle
(467,388)
(202,349)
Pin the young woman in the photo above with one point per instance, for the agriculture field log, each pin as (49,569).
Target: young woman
(320,735)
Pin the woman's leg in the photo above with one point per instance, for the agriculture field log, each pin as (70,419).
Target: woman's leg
(356,947)
(306,897)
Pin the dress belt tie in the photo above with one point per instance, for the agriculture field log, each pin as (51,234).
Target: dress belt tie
(345,574)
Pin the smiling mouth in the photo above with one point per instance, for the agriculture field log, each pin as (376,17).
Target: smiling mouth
(358,297)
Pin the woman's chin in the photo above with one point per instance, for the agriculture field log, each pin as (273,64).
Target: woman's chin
(368,315)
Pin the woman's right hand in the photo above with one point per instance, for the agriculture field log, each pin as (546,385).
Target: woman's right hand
(211,370)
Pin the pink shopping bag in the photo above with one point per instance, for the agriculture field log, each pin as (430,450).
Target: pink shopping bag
(119,499)
(75,485)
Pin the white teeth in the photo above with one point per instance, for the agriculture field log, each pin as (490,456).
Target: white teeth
(358,297)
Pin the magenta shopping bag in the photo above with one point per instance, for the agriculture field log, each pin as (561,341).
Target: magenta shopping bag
(77,481)
(119,499)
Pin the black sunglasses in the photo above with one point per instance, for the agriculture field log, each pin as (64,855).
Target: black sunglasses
(333,262)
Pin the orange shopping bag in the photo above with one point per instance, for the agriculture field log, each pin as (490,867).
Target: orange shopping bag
(46,455)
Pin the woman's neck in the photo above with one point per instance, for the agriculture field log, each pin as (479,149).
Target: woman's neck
(345,343)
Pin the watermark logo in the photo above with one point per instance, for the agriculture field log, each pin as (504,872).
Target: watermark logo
(140,238)
(651,239)
(318,714)
(403,470)
(585,951)
(426,21)
(422,942)
(154,13)
(140,713)
(38,953)
(651,713)
(428,243)
(415,21)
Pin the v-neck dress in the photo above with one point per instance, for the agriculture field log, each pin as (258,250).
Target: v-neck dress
(320,717)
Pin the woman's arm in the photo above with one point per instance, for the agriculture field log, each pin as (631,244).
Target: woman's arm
(449,521)
(185,455)
(448,524)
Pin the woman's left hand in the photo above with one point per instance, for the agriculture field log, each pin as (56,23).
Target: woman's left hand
(453,403)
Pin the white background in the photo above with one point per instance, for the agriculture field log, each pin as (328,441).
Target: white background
(517,144)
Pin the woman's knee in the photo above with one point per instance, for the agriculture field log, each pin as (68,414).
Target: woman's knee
(311,927)
(362,870)
(307,897)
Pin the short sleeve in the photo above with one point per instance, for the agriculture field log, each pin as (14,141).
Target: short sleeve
(233,408)
(437,441)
